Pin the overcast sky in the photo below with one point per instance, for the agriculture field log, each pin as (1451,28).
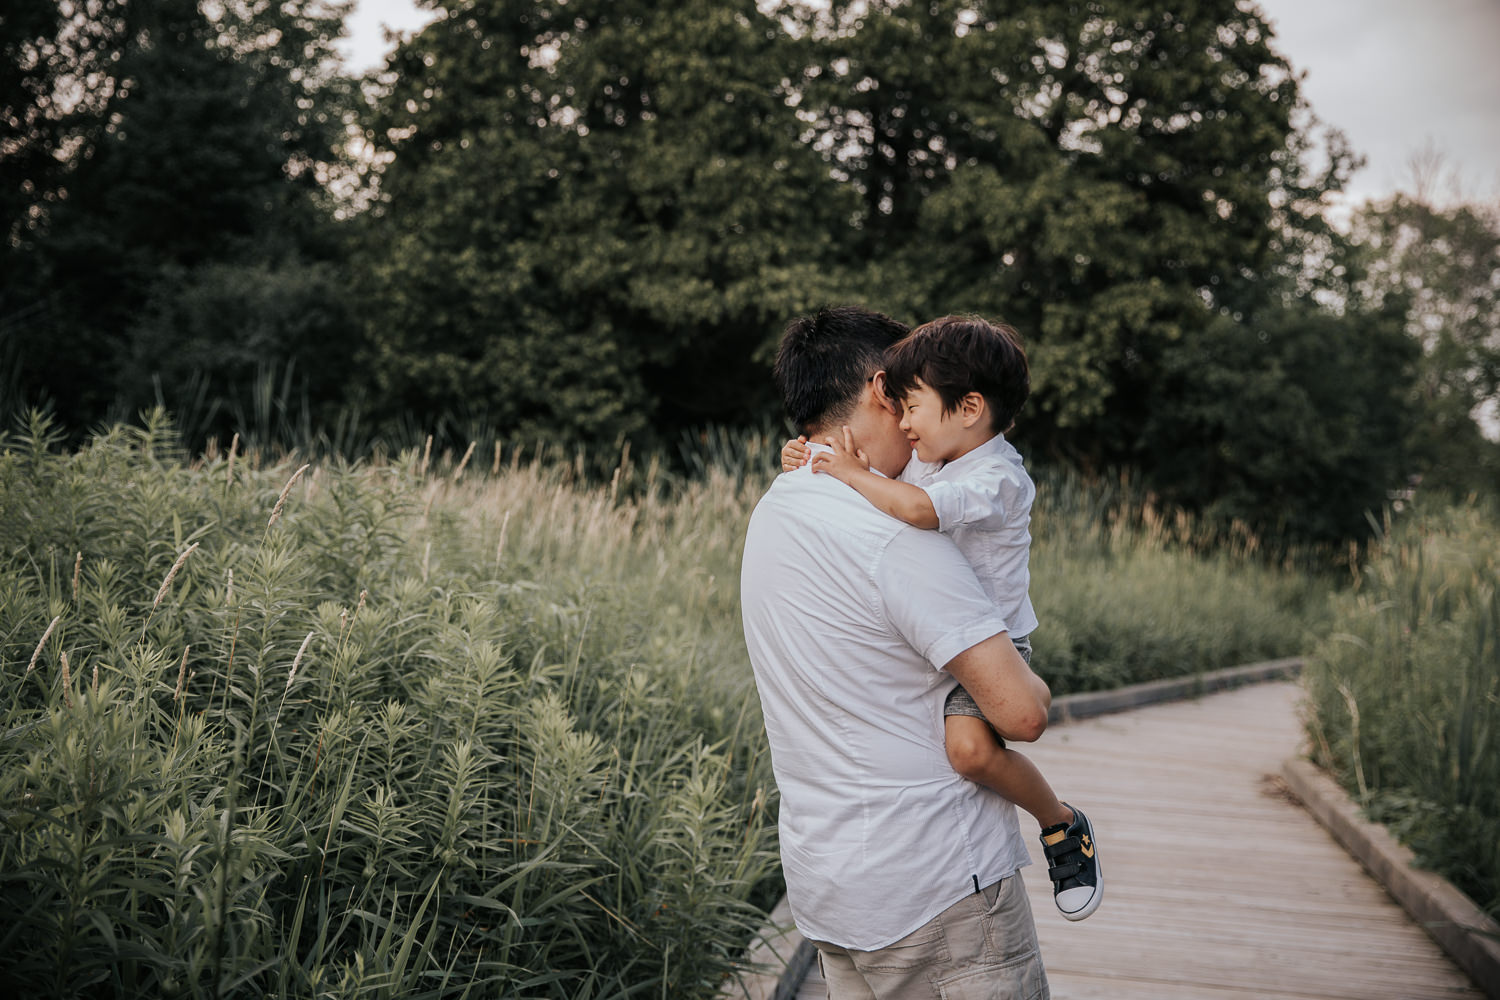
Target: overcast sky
(1397,76)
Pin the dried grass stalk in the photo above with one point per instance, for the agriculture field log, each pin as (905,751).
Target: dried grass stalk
(77,569)
(171,573)
(296,660)
(285,492)
(500,545)
(45,636)
(181,673)
(463,463)
(67,681)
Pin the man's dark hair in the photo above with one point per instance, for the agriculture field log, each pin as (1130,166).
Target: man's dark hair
(957,355)
(825,361)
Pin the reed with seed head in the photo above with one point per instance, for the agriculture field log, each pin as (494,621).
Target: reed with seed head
(285,492)
(77,569)
(234,445)
(67,673)
(45,636)
(166,583)
(291,674)
(463,463)
(181,673)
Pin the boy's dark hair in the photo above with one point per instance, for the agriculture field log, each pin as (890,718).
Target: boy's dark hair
(957,355)
(825,361)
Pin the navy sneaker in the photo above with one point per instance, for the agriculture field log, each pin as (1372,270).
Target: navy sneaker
(1073,860)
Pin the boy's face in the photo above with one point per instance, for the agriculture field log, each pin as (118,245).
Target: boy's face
(937,436)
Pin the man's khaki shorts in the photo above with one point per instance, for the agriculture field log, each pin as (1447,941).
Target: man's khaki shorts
(981,948)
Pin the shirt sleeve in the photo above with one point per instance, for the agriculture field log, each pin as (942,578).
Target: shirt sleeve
(932,598)
(983,498)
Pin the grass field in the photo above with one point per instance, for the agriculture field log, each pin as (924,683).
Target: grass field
(445,726)
(1405,692)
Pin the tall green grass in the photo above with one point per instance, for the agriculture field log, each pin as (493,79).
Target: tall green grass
(1404,693)
(475,724)
(1128,592)
(430,733)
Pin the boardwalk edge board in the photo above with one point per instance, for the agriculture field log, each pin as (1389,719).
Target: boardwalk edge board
(1459,927)
(1092,703)
(778,957)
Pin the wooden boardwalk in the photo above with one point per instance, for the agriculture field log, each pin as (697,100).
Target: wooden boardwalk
(1218,886)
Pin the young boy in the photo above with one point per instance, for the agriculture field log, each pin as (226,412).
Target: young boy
(960,382)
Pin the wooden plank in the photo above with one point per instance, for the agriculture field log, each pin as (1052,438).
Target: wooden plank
(1217,885)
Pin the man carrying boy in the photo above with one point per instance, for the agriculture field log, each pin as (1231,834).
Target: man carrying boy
(960,382)
(903,873)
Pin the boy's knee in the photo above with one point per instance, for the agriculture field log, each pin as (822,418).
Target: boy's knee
(970,749)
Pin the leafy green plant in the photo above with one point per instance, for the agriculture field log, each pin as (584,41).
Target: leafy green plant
(438,726)
(1404,694)
(356,730)
(1127,591)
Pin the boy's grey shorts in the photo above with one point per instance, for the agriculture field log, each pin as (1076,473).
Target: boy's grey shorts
(959,701)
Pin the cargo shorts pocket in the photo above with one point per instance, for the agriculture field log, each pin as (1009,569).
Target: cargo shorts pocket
(1019,979)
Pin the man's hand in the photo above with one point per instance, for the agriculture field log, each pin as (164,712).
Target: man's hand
(794,455)
(846,460)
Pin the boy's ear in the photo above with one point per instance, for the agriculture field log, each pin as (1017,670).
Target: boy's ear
(972,409)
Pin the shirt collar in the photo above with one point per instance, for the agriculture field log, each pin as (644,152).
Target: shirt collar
(995,447)
(813,447)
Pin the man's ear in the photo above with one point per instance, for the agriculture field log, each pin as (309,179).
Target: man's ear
(972,409)
(877,385)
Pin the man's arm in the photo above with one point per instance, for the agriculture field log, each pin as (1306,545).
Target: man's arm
(934,600)
(1013,699)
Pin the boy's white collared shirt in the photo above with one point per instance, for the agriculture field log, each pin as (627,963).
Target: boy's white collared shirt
(983,502)
(849,617)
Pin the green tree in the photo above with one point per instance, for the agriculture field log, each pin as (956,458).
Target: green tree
(1442,266)
(591,216)
(55,86)
(1294,424)
(1108,176)
(196,153)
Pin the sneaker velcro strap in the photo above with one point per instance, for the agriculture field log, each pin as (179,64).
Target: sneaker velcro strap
(1064,846)
(1059,872)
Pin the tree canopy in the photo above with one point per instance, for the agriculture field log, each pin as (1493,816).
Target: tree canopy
(585,221)
(165,169)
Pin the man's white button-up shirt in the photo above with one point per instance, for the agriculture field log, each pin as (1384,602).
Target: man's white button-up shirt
(850,616)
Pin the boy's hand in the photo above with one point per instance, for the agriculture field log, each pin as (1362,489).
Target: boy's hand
(794,455)
(846,460)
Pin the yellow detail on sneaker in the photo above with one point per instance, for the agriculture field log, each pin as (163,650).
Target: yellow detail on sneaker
(1088,846)
(1053,838)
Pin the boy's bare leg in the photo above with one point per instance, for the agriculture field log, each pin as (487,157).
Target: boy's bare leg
(977,754)
(1067,836)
